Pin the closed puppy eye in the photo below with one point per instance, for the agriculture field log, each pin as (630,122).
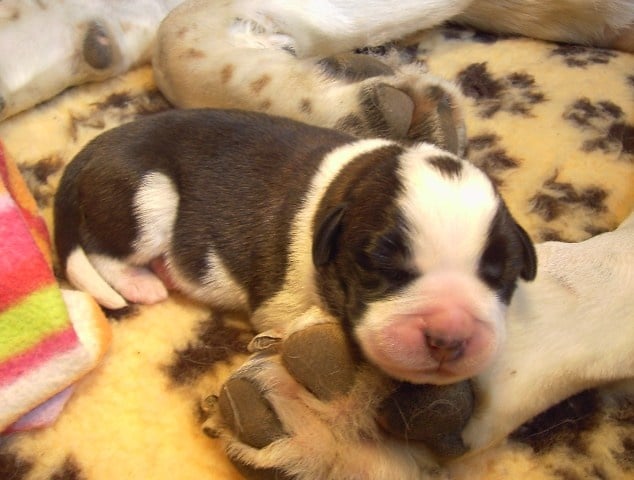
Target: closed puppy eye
(493,263)
(387,258)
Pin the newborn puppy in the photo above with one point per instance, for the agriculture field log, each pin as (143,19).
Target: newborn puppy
(409,248)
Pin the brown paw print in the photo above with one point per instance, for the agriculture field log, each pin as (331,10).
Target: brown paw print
(557,199)
(515,93)
(604,127)
(578,56)
(486,153)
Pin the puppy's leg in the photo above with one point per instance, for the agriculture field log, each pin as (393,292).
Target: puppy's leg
(334,26)
(220,60)
(571,329)
(135,284)
(121,231)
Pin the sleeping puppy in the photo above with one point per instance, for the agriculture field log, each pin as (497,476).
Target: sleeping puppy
(290,411)
(410,249)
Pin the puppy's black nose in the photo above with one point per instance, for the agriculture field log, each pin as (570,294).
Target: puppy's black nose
(445,349)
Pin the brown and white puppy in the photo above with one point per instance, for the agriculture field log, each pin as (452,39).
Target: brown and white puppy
(278,415)
(410,248)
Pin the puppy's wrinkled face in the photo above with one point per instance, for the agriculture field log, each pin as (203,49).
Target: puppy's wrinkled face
(420,259)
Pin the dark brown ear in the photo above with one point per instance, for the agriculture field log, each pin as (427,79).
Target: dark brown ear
(326,234)
(529,270)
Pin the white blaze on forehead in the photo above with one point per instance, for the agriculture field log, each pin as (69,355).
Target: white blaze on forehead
(448,216)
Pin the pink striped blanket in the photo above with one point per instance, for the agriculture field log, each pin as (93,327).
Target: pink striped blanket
(49,338)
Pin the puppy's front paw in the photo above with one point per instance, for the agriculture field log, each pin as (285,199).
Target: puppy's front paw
(306,408)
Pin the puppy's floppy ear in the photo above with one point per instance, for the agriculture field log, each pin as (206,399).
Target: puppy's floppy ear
(326,234)
(529,270)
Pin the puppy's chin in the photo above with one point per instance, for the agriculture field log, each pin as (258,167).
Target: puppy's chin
(404,349)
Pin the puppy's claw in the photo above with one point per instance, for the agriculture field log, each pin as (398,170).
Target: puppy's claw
(265,342)
(319,358)
(209,429)
(209,405)
(248,414)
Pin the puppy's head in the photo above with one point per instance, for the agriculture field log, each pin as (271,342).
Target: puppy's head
(418,256)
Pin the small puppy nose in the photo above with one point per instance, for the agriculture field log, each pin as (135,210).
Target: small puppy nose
(444,349)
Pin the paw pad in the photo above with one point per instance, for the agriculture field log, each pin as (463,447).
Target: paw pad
(319,358)
(354,67)
(248,414)
(432,414)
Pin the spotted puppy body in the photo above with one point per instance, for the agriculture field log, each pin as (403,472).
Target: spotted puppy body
(411,249)
(207,54)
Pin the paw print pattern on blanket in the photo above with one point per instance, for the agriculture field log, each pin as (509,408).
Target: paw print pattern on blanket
(577,56)
(486,152)
(217,339)
(558,199)
(605,123)
(39,179)
(15,468)
(124,105)
(515,93)
(567,428)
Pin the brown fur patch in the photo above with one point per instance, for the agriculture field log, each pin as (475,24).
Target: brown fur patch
(306,106)
(258,85)
(195,53)
(265,105)
(350,123)
(226,73)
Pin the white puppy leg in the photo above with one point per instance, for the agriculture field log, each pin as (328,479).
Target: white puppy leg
(208,56)
(135,284)
(571,329)
(326,27)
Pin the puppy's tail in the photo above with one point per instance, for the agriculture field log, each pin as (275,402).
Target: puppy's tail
(72,257)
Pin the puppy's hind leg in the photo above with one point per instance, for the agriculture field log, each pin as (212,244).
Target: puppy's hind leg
(154,209)
(136,284)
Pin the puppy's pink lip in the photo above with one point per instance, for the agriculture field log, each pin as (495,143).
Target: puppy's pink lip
(441,373)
